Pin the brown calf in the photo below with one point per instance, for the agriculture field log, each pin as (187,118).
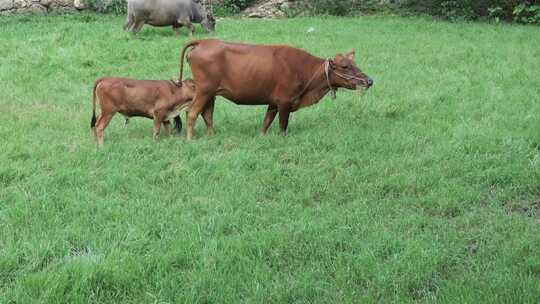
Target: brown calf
(160,100)
(282,77)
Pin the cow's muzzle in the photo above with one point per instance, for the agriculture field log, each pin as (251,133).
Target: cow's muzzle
(370,82)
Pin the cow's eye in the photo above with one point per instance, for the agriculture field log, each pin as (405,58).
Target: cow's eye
(345,67)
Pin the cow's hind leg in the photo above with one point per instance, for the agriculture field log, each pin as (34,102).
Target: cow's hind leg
(137,27)
(269,117)
(101,124)
(198,105)
(208,116)
(284,119)
(129,21)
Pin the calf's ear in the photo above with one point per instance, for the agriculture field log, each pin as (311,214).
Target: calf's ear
(176,81)
(350,55)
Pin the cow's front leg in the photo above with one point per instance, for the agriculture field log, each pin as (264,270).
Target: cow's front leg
(176,28)
(269,117)
(157,127)
(284,118)
(191,28)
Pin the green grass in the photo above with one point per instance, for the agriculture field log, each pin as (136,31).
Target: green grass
(421,190)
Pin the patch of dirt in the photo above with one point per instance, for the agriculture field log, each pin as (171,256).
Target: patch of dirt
(530,210)
(472,246)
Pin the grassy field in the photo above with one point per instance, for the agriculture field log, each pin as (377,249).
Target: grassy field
(424,189)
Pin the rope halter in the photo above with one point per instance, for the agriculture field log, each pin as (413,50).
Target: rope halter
(327,73)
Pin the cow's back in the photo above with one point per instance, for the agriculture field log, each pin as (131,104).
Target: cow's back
(160,12)
(249,74)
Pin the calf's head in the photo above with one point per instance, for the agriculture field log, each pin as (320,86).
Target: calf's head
(343,72)
(188,89)
(208,22)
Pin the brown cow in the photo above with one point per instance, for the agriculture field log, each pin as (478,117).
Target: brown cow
(282,77)
(160,100)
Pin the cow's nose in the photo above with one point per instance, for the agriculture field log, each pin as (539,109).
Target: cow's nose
(369,82)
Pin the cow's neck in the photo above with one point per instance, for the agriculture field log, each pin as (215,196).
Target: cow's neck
(318,87)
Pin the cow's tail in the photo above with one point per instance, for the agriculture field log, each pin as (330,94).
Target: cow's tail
(93,121)
(187,46)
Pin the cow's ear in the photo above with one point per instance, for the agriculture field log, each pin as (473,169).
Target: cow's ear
(350,55)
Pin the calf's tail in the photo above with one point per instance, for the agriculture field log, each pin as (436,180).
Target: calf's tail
(188,45)
(93,121)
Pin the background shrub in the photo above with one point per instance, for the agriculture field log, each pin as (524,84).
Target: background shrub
(332,7)
(522,11)
(117,7)
(234,6)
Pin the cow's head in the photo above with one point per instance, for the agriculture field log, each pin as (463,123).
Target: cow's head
(344,73)
(209,22)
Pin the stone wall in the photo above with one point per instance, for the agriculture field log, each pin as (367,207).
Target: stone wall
(9,7)
(261,9)
(267,9)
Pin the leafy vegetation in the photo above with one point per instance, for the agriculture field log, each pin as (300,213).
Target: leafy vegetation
(524,13)
(527,12)
(424,189)
(509,10)
(333,7)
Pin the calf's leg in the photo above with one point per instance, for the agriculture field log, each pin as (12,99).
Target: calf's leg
(167,125)
(178,124)
(269,117)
